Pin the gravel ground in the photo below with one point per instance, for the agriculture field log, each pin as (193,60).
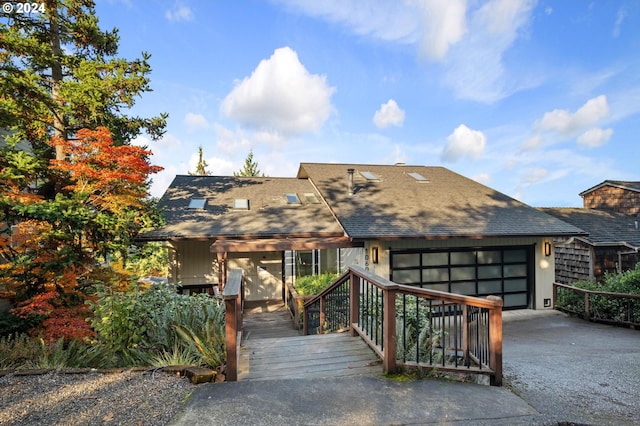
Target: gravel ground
(95,398)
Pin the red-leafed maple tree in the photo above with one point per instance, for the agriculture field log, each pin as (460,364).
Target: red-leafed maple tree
(57,247)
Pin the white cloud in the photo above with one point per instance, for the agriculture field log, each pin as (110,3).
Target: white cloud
(468,37)
(569,124)
(532,143)
(595,137)
(282,96)
(195,121)
(464,143)
(474,67)
(483,178)
(389,114)
(215,166)
(179,13)
(380,19)
(622,13)
(444,24)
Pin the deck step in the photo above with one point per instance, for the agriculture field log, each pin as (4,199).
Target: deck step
(319,356)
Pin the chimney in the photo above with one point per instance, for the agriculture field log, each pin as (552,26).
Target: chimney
(350,173)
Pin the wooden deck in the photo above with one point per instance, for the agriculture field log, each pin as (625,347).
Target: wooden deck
(272,349)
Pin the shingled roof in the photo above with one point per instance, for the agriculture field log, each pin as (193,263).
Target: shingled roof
(424,202)
(604,227)
(629,185)
(269,214)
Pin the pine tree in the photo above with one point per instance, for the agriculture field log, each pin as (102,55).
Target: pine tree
(250,167)
(201,167)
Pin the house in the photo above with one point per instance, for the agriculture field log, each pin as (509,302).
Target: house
(610,217)
(611,245)
(619,196)
(416,225)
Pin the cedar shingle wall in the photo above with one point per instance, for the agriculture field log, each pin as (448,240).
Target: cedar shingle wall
(573,262)
(613,198)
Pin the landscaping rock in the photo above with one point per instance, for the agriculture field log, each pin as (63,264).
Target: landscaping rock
(200,375)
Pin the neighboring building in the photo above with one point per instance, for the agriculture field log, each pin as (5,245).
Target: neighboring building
(424,226)
(610,218)
(611,246)
(614,195)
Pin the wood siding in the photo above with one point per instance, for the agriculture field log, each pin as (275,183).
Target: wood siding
(613,198)
(573,262)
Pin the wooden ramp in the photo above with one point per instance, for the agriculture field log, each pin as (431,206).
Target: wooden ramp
(273,349)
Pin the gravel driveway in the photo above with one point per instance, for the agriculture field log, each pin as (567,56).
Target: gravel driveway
(127,398)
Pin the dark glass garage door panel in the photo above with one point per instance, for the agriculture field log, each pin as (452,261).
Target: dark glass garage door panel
(435,259)
(406,260)
(433,275)
(502,272)
(407,276)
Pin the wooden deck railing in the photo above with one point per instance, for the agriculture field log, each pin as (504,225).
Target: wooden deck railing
(599,306)
(409,326)
(233,295)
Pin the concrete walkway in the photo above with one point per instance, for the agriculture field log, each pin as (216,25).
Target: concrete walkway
(558,370)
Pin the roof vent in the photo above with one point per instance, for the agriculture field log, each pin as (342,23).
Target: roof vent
(350,173)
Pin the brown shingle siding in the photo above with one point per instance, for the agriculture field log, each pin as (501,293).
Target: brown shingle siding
(614,198)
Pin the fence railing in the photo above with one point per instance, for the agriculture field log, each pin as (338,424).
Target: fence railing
(294,303)
(598,306)
(233,295)
(412,327)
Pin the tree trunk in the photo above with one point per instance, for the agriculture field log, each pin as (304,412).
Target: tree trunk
(59,129)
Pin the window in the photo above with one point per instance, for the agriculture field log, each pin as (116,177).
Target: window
(197,203)
(418,177)
(369,176)
(292,198)
(241,204)
(311,198)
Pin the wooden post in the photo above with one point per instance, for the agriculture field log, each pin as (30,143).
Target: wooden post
(554,301)
(389,331)
(231,332)
(465,332)
(586,305)
(233,298)
(495,341)
(354,302)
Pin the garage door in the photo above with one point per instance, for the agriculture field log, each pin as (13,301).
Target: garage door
(503,272)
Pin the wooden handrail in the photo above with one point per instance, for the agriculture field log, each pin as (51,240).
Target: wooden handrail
(233,298)
(386,346)
(586,313)
(598,293)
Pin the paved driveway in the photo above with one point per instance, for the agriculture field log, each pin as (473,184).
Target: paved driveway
(572,370)
(558,370)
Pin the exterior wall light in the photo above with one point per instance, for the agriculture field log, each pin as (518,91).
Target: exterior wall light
(374,254)
(547,248)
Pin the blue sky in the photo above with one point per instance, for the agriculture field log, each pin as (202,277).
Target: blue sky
(537,99)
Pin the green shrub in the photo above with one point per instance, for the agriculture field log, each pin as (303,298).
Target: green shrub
(140,324)
(313,284)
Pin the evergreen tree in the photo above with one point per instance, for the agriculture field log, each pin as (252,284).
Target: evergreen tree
(201,167)
(60,73)
(72,187)
(250,167)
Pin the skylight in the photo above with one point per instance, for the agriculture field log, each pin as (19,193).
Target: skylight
(311,198)
(197,203)
(418,177)
(292,198)
(369,176)
(241,204)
